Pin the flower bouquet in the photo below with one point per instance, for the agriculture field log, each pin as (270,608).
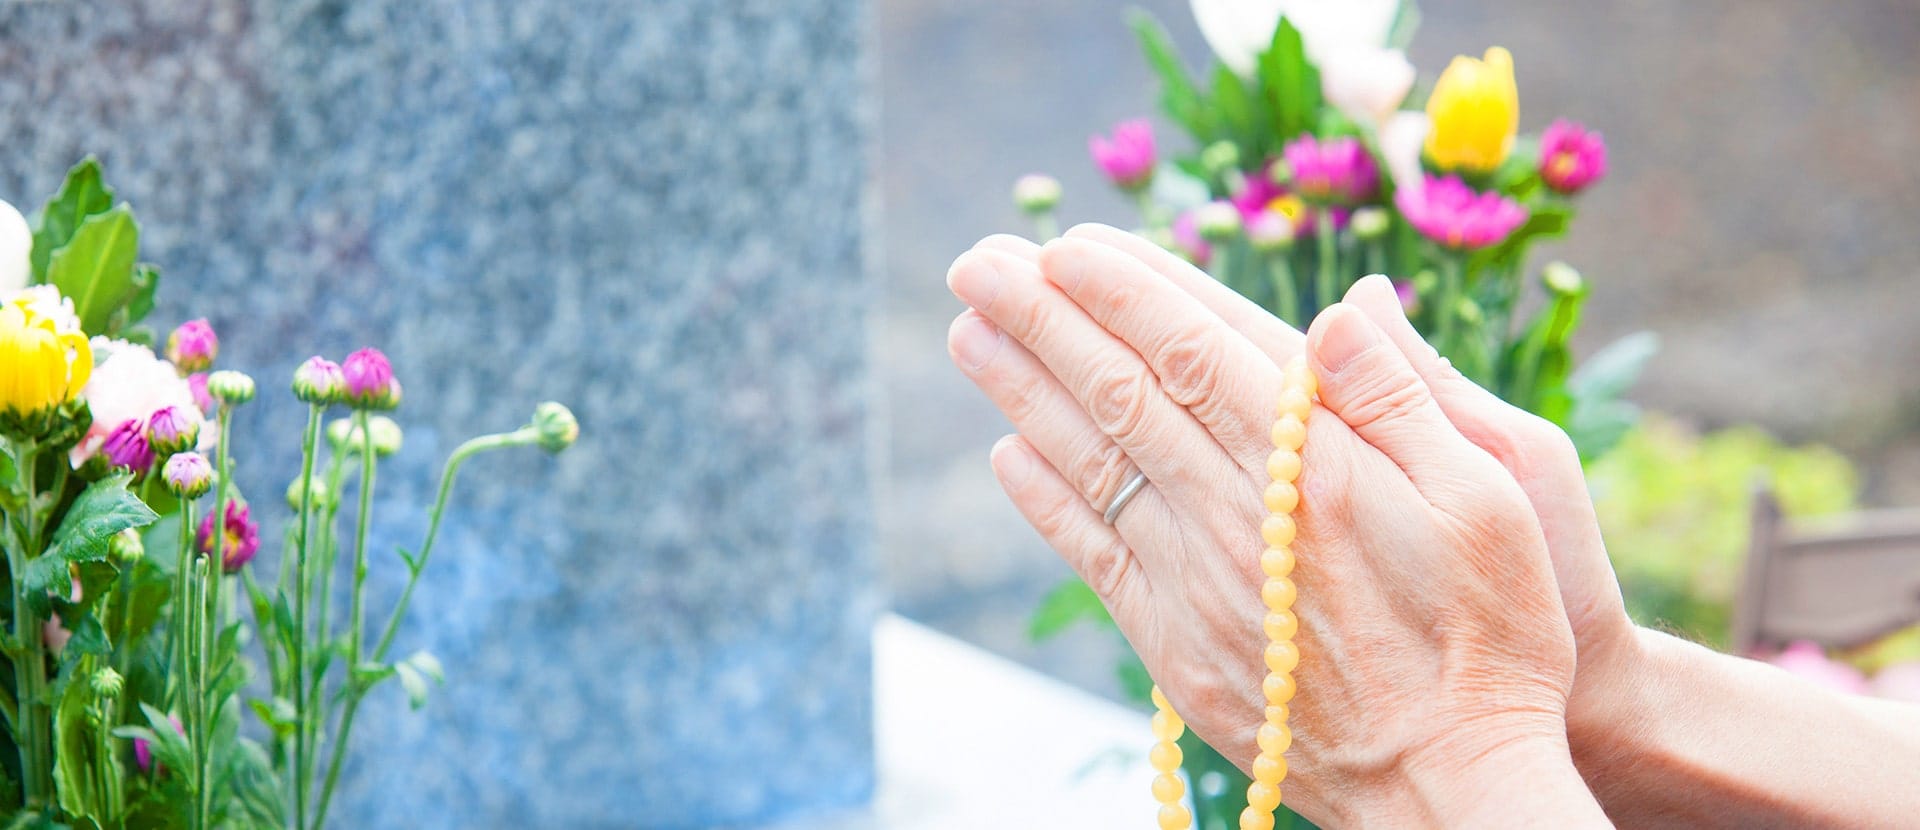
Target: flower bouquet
(1316,158)
(130,689)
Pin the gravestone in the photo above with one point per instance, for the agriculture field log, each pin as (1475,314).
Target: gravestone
(650,210)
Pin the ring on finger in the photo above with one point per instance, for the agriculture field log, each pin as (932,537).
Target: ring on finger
(1127,492)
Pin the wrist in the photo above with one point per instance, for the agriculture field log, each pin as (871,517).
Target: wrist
(1525,779)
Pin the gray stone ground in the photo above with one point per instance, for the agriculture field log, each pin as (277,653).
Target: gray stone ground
(1760,218)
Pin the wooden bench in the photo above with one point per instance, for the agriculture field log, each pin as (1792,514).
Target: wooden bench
(1838,582)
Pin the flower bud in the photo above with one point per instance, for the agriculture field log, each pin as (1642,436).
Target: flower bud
(1270,231)
(107,682)
(1470,312)
(1217,221)
(126,546)
(1036,193)
(316,486)
(193,346)
(1562,279)
(346,438)
(188,475)
(1220,157)
(369,380)
(127,447)
(171,430)
(197,384)
(1370,223)
(319,381)
(556,425)
(230,387)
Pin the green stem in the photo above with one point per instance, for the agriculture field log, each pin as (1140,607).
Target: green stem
(1376,257)
(310,441)
(1448,308)
(519,437)
(356,624)
(1328,289)
(35,716)
(177,629)
(1045,227)
(210,621)
(1150,215)
(1285,291)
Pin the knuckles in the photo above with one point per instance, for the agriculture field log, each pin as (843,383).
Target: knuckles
(1117,397)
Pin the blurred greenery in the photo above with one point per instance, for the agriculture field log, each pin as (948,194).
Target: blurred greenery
(1675,508)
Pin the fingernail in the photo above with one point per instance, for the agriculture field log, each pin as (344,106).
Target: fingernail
(975,280)
(976,341)
(1347,336)
(1010,463)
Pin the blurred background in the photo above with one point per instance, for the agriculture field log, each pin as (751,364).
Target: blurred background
(1758,217)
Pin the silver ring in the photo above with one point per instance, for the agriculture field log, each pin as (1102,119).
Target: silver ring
(1133,486)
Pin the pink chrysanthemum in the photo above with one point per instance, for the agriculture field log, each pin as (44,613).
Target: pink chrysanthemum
(1335,171)
(1128,156)
(1572,157)
(243,537)
(1449,212)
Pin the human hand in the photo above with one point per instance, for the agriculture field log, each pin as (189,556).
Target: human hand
(1433,642)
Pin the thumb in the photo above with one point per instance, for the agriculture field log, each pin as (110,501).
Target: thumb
(1368,383)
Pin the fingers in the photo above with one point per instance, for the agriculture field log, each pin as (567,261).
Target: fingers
(1201,362)
(1070,526)
(1271,334)
(1369,384)
(1110,382)
(1040,408)
(1535,452)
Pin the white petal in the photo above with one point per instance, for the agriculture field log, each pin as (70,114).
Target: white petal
(1238,30)
(1327,26)
(16,248)
(1401,141)
(1367,83)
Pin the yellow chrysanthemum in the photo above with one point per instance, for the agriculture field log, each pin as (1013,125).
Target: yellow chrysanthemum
(41,366)
(1475,109)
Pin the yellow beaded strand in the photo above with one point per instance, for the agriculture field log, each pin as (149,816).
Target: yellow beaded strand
(1282,496)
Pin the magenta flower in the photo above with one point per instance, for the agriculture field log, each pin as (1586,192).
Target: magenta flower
(1571,157)
(1335,171)
(197,384)
(126,446)
(143,754)
(242,537)
(1128,156)
(188,475)
(1187,238)
(320,381)
(193,346)
(1257,194)
(369,380)
(170,430)
(1449,212)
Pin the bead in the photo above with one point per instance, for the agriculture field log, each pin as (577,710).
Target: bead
(1279,593)
(1295,402)
(1270,769)
(1282,497)
(1254,819)
(1297,375)
(1274,740)
(1281,625)
(1168,788)
(1282,656)
(1289,433)
(1283,465)
(1160,700)
(1276,563)
(1175,817)
(1165,756)
(1263,796)
(1278,687)
(1278,531)
(1277,714)
(1167,725)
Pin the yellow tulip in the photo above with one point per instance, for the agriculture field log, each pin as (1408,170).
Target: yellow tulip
(41,366)
(1475,109)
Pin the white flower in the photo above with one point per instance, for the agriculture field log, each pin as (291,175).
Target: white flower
(47,302)
(1346,39)
(1401,140)
(16,250)
(1367,83)
(131,382)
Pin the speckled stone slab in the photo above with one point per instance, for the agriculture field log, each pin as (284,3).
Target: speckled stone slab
(650,209)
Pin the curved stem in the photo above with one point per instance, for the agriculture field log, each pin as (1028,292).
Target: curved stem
(309,441)
(210,623)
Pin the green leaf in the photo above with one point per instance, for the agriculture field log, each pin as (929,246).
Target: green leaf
(1597,418)
(1135,683)
(1068,603)
(278,714)
(1290,83)
(105,508)
(1544,222)
(83,194)
(88,637)
(146,283)
(95,269)
(1235,105)
(1179,98)
(74,752)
